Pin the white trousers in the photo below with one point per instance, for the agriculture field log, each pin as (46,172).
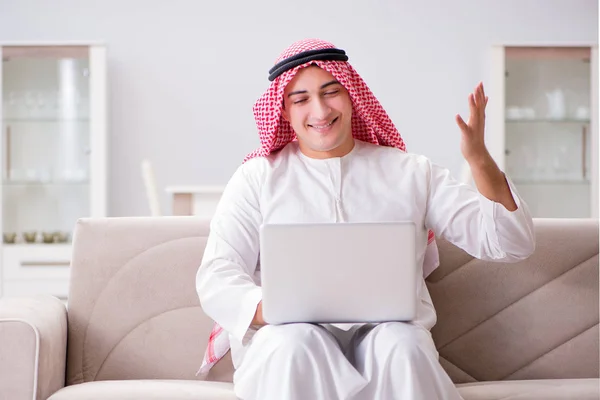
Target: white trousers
(387,361)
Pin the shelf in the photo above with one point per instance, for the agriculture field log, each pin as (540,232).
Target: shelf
(53,128)
(44,120)
(546,121)
(26,248)
(14,183)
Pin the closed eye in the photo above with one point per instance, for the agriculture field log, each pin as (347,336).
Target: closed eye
(299,101)
(332,92)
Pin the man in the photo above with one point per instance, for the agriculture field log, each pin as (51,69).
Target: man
(347,165)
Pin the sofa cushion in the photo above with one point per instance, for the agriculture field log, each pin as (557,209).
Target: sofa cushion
(133,308)
(546,389)
(147,389)
(535,319)
(549,389)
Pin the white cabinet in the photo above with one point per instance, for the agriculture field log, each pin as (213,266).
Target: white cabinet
(52,158)
(542,126)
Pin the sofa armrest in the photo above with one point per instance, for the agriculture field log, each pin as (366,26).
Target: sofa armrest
(33,346)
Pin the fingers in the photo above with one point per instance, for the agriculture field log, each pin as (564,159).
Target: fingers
(477,103)
(479,100)
(472,105)
(461,123)
(480,95)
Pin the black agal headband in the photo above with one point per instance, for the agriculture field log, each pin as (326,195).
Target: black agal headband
(304,57)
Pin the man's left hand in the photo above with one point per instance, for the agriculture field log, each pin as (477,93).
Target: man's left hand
(473,144)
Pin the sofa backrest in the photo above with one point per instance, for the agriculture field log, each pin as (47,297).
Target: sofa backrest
(535,319)
(134,313)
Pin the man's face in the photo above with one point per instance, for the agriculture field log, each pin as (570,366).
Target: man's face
(320,111)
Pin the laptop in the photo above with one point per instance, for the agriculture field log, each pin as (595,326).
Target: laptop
(338,272)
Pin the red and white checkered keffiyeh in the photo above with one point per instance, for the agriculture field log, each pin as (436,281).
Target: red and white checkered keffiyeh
(370,123)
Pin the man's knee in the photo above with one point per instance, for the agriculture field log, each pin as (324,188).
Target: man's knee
(292,338)
(399,337)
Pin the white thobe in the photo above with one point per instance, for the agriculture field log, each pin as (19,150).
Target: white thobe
(372,183)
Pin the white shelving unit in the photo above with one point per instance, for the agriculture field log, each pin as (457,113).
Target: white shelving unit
(542,125)
(53,159)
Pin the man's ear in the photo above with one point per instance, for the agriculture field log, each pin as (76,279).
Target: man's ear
(284,113)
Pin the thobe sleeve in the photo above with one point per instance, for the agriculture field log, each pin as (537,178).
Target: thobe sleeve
(483,228)
(228,294)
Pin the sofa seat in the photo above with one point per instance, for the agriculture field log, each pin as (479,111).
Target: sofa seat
(147,389)
(550,389)
(543,389)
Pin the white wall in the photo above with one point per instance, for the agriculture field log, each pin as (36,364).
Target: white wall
(185,73)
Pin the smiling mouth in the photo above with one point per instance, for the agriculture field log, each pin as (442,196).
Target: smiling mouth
(324,126)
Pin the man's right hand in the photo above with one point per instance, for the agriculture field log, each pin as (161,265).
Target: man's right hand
(258,316)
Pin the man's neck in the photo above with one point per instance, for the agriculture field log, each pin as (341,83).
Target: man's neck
(340,151)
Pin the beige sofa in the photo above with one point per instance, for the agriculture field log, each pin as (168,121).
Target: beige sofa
(135,329)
